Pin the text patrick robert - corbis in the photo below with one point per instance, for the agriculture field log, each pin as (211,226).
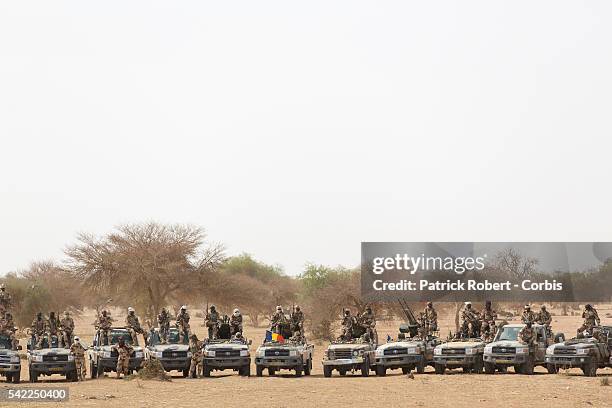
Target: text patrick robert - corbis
(414,264)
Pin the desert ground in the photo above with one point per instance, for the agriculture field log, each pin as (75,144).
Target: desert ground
(455,389)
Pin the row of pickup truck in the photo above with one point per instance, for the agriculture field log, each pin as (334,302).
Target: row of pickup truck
(407,353)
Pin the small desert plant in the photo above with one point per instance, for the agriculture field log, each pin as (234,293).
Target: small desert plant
(605,382)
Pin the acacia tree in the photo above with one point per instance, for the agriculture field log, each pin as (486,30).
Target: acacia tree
(147,266)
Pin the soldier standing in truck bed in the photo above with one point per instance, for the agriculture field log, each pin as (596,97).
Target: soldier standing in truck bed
(591,319)
(489,316)
(212,322)
(163,323)
(235,322)
(182,323)
(527,334)
(132,323)
(5,299)
(277,319)
(430,318)
(348,322)
(104,324)
(528,315)
(297,321)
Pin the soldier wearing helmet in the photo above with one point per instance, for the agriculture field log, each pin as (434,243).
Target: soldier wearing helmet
(182,323)
(277,320)
(103,325)
(430,318)
(5,300)
(489,316)
(368,321)
(591,319)
(528,315)
(470,318)
(297,321)
(195,347)
(348,322)
(527,334)
(235,322)
(66,328)
(132,323)
(212,322)
(163,323)
(545,319)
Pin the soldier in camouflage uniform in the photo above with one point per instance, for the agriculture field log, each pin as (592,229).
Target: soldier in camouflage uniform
(163,323)
(591,319)
(470,321)
(278,318)
(528,315)
(545,319)
(348,322)
(297,321)
(51,327)
(38,329)
(489,316)
(103,325)
(182,323)
(235,322)
(7,328)
(132,323)
(368,321)
(78,352)
(195,347)
(527,334)
(212,323)
(5,300)
(124,350)
(430,318)
(67,328)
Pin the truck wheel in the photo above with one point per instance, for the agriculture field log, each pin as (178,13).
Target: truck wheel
(185,373)
(527,367)
(258,370)
(93,370)
(405,370)
(365,367)
(33,376)
(9,378)
(489,368)
(308,367)
(271,371)
(420,367)
(502,369)
(100,371)
(17,377)
(477,367)
(381,371)
(206,371)
(517,369)
(245,371)
(327,371)
(298,371)
(342,372)
(439,368)
(589,369)
(552,369)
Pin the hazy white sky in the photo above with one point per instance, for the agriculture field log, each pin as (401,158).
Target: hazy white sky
(294,131)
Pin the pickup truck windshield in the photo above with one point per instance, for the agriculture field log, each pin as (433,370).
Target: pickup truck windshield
(508,333)
(115,335)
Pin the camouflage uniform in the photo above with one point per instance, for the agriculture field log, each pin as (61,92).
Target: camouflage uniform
(368,320)
(527,335)
(489,316)
(278,318)
(51,327)
(591,319)
(132,323)
(297,321)
(123,361)
(163,322)
(195,347)
(469,316)
(528,315)
(67,328)
(104,324)
(212,323)
(7,328)
(78,351)
(38,329)
(235,322)
(430,318)
(347,325)
(5,300)
(182,323)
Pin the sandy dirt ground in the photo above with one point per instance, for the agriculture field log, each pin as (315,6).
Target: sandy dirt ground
(455,389)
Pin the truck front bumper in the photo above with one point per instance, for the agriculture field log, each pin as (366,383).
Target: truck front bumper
(172,364)
(10,368)
(399,361)
(505,359)
(227,362)
(344,362)
(568,361)
(48,368)
(110,364)
(276,362)
(456,360)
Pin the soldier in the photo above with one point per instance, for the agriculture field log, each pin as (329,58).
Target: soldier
(182,323)
(544,318)
(489,316)
(51,328)
(297,321)
(212,322)
(5,299)
(469,321)
(38,329)
(277,320)
(430,318)
(163,323)
(67,328)
(195,347)
(347,326)
(528,315)
(78,351)
(527,334)
(368,321)
(124,351)
(591,319)
(103,325)
(235,322)
(7,328)
(132,323)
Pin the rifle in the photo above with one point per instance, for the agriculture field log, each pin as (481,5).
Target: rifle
(413,324)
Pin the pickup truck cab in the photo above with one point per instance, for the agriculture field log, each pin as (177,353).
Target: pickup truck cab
(506,350)
(586,353)
(50,359)
(10,363)
(102,358)
(173,356)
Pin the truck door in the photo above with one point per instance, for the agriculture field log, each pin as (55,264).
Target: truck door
(540,351)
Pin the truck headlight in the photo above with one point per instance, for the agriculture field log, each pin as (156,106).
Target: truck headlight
(470,350)
(488,349)
(37,357)
(210,353)
(138,354)
(189,354)
(260,353)
(413,350)
(437,351)
(70,357)
(331,355)
(356,353)
(550,350)
(380,352)
(244,353)
(522,350)
(292,353)
(582,351)
(156,354)
(106,354)
(14,359)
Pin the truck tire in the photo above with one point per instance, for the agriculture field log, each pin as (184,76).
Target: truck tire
(185,372)
(33,376)
(440,368)
(258,370)
(527,367)
(552,369)
(93,370)
(420,367)
(489,368)
(327,371)
(17,377)
(100,371)
(589,369)
(298,371)
(342,372)
(478,365)
(206,371)
(245,371)
(381,370)
(271,371)
(405,370)
(308,367)
(517,369)
(9,378)
(365,367)
(502,369)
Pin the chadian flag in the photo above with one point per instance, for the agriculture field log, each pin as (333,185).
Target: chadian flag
(278,338)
